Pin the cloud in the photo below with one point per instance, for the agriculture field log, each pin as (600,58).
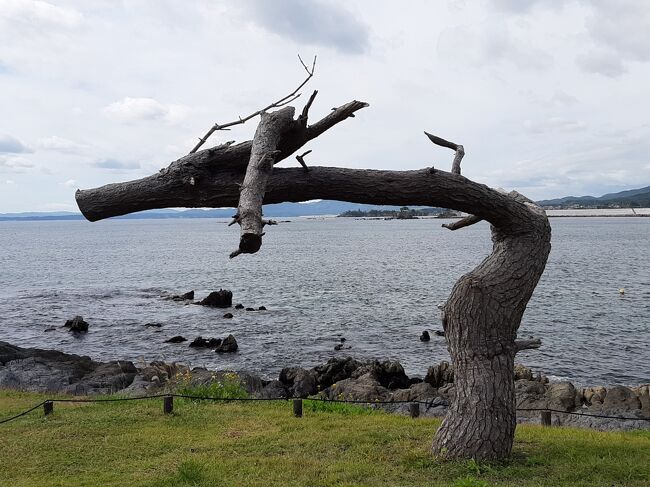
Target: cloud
(620,30)
(525,6)
(14,164)
(314,22)
(11,145)
(36,14)
(60,144)
(492,43)
(553,124)
(131,110)
(70,183)
(114,164)
(562,98)
(607,63)
(10,181)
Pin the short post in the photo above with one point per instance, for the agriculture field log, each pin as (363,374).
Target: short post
(414,409)
(546,418)
(168,404)
(48,407)
(297,408)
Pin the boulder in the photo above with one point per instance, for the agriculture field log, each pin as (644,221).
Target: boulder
(425,337)
(261,308)
(153,325)
(273,390)
(77,325)
(250,309)
(299,382)
(335,370)
(389,373)
(561,396)
(439,375)
(417,392)
(364,388)
(39,370)
(594,395)
(218,299)
(188,296)
(200,342)
(523,373)
(228,345)
(176,339)
(228,315)
(239,306)
(620,399)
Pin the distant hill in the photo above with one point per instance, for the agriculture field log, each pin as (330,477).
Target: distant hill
(312,208)
(632,198)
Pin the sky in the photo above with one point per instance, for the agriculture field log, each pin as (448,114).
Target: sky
(548,97)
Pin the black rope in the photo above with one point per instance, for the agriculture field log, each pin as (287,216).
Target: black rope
(317,399)
(22,414)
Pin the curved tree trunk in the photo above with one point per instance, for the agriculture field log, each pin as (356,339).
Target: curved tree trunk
(485,308)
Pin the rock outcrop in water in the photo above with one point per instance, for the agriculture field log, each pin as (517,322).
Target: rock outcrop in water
(77,325)
(218,299)
(188,296)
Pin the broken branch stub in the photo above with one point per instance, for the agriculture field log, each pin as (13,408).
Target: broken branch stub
(263,154)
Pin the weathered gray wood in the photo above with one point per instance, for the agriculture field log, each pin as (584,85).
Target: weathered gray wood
(48,408)
(263,152)
(545,418)
(531,344)
(414,409)
(168,404)
(484,311)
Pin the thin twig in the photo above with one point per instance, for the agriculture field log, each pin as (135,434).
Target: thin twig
(281,102)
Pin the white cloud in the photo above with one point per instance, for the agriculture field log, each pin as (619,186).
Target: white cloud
(605,62)
(60,144)
(553,124)
(10,181)
(70,183)
(11,145)
(131,110)
(14,164)
(36,14)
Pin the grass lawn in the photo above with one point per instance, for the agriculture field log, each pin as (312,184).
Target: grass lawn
(239,444)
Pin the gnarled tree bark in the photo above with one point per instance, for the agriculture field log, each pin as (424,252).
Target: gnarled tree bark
(486,305)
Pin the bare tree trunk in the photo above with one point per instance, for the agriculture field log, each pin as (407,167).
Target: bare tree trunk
(485,308)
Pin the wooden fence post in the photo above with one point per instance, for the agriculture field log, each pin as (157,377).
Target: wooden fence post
(414,409)
(168,404)
(48,407)
(297,408)
(546,418)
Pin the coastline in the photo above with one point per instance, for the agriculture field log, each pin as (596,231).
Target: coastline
(379,383)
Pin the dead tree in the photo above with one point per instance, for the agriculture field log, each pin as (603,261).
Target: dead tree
(484,311)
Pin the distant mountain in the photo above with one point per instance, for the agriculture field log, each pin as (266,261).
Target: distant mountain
(312,208)
(632,198)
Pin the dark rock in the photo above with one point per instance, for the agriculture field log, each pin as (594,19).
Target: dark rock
(228,345)
(342,339)
(425,337)
(228,315)
(50,328)
(417,392)
(200,342)
(440,333)
(335,370)
(439,375)
(338,347)
(153,325)
(51,371)
(77,325)
(274,389)
(299,382)
(176,339)
(620,399)
(250,309)
(522,372)
(188,296)
(239,306)
(218,299)
(261,308)
(414,380)
(389,373)
(364,388)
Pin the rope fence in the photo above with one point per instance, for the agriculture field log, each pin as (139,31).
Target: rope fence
(414,408)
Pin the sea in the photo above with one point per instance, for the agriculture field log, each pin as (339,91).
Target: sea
(375,283)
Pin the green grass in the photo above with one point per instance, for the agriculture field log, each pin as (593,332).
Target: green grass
(240,444)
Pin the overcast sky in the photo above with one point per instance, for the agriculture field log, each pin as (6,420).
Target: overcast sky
(549,97)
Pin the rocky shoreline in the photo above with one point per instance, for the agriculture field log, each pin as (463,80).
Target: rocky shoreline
(340,378)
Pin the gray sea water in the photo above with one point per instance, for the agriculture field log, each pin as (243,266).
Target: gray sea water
(376,283)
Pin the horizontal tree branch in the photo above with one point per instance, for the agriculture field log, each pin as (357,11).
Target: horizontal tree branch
(527,344)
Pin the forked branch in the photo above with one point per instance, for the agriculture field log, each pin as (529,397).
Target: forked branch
(276,104)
